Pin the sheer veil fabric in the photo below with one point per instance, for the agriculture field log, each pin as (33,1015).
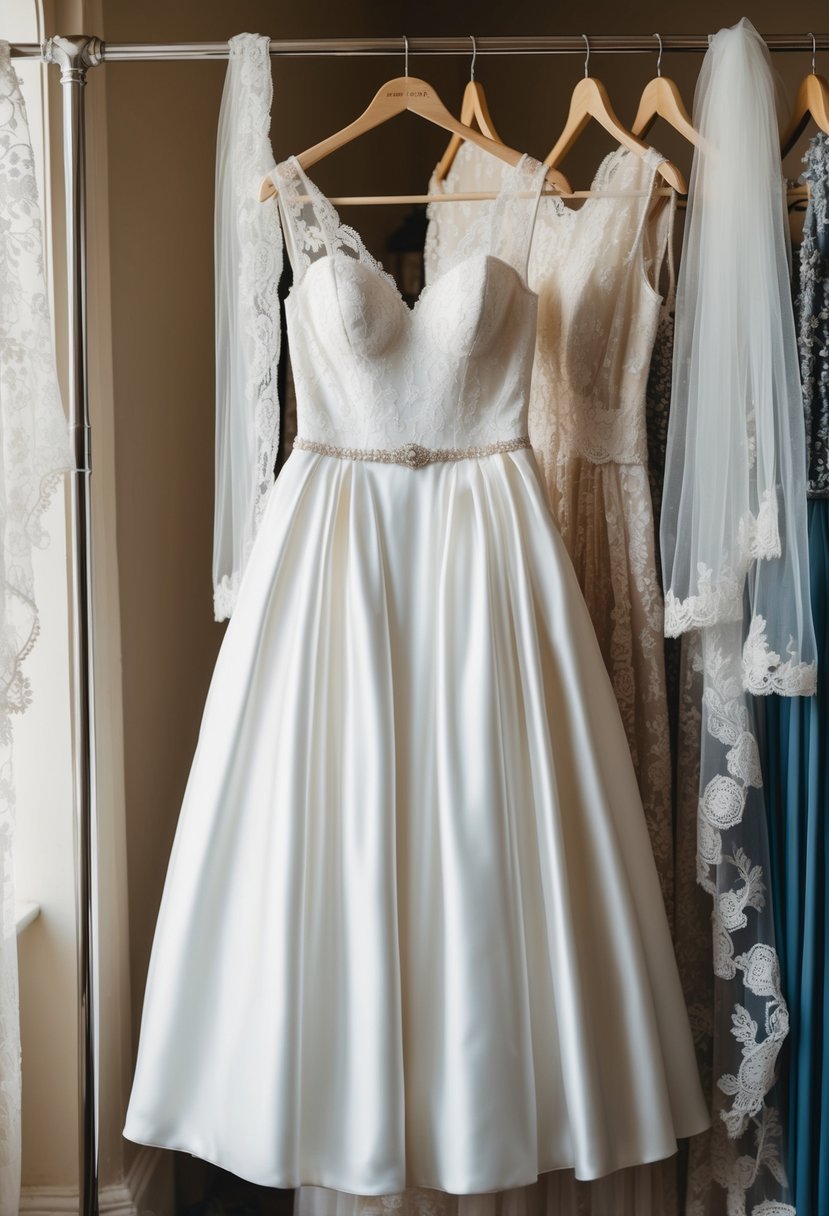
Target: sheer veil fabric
(735,559)
(34,451)
(248,260)
(733,519)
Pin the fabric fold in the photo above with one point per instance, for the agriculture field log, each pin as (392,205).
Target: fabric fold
(467,1037)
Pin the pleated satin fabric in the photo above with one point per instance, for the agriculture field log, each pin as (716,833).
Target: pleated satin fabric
(411,931)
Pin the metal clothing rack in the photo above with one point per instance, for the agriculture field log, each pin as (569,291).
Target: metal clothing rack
(75,55)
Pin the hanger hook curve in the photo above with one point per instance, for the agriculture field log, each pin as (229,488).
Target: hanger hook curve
(474,57)
(659,56)
(587,57)
(814,49)
(405,55)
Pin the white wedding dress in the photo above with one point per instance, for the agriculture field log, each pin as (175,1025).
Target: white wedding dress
(411,932)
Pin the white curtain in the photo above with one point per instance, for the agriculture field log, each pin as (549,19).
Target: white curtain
(34,450)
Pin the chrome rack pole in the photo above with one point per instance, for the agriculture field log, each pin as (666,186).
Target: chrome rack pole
(74,55)
(570,44)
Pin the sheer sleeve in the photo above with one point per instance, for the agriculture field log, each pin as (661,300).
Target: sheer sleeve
(248,264)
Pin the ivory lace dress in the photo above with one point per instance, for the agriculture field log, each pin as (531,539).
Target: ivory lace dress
(594,270)
(411,931)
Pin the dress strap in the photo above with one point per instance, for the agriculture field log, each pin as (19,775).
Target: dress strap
(309,222)
(671,294)
(502,226)
(312,225)
(514,213)
(656,159)
(660,252)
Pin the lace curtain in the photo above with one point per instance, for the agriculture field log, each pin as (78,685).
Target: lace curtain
(34,450)
(735,558)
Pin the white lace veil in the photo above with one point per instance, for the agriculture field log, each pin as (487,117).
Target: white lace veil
(248,264)
(734,543)
(735,556)
(34,451)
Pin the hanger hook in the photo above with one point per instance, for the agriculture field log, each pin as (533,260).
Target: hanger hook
(474,57)
(587,57)
(814,50)
(405,55)
(659,57)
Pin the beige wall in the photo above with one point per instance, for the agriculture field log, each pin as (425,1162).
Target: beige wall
(160,130)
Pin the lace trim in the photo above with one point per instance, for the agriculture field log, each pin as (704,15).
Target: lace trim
(260,243)
(722,804)
(224,595)
(413,455)
(714,603)
(758,539)
(316,226)
(816,173)
(764,672)
(758,536)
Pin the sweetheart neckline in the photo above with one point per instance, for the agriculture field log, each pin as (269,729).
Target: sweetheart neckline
(376,266)
(383,276)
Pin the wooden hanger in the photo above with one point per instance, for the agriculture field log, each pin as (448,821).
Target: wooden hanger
(812,101)
(474,108)
(590,100)
(661,98)
(394,97)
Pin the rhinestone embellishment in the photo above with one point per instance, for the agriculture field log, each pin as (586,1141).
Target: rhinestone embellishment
(413,455)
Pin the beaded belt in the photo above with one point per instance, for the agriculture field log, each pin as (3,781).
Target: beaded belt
(413,455)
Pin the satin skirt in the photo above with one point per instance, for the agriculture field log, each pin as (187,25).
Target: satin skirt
(411,932)
(797,779)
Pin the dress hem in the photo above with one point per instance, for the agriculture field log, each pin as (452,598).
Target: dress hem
(351,1189)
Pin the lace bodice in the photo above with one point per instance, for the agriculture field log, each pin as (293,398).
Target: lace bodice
(370,372)
(598,310)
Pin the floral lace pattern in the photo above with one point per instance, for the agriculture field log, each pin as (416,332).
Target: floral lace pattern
(812,314)
(765,671)
(36,451)
(315,229)
(248,353)
(721,601)
(597,324)
(731,864)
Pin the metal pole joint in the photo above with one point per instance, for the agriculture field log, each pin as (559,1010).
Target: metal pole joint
(74,54)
